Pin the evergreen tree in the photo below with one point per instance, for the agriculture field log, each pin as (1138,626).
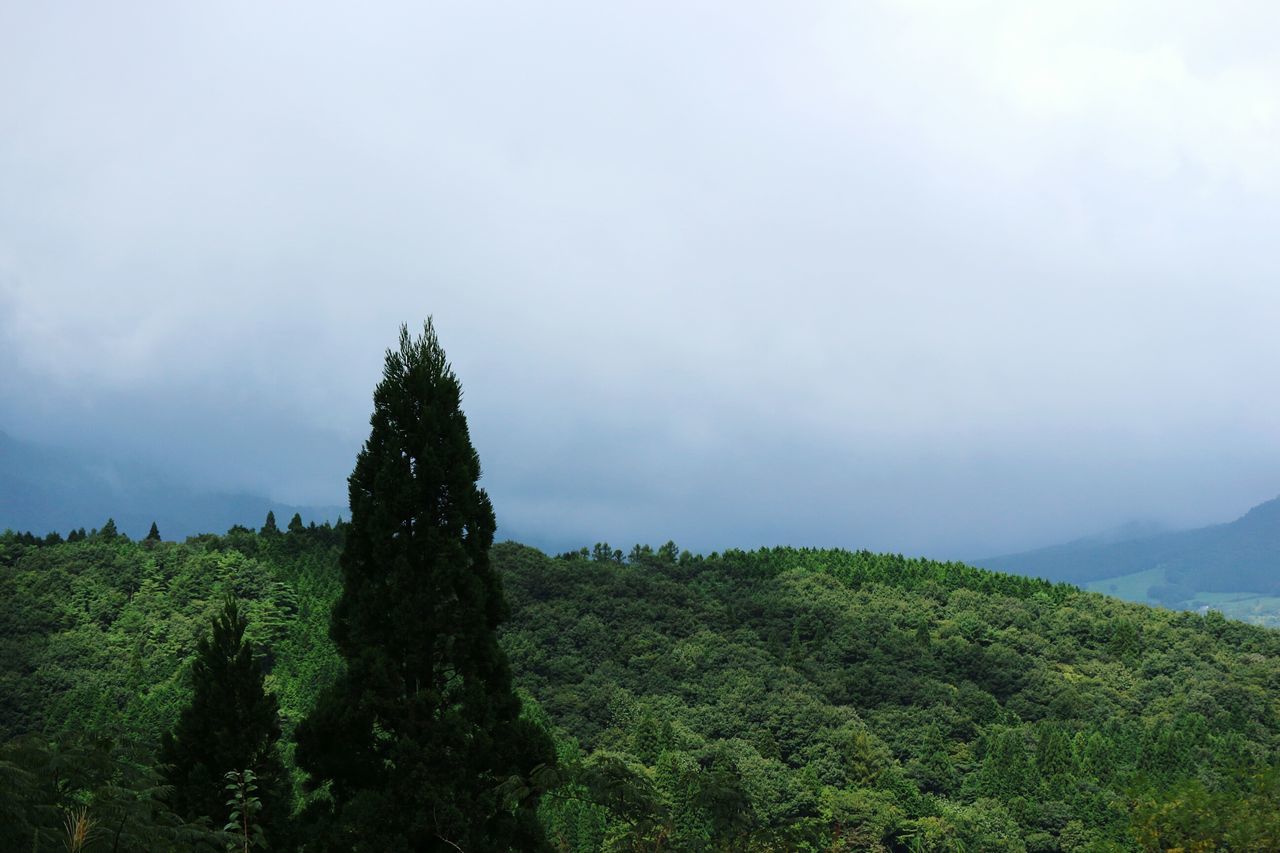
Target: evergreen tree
(154,534)
(269,526)
(295,523)
(1005,769)
(423,726)
(231,725)
(1053,753)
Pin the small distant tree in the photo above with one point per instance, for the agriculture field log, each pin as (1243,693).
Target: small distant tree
(269,526)
(231,725)
(108,531)
(602,553)
(295,523)
(154,534)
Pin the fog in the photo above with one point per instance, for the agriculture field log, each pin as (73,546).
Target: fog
(937,278)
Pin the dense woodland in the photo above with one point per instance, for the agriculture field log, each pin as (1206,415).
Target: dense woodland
(776,699)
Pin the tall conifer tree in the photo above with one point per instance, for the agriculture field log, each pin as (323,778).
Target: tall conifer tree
(232,724)
(423,727)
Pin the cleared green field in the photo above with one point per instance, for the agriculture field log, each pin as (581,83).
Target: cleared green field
(1244,606)
(1129,587)
(1247,607)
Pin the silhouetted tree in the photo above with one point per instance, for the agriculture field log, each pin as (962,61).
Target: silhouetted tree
(423,726)
(154,534)
(231,725)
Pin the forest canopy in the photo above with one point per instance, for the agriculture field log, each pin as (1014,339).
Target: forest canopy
(774,699)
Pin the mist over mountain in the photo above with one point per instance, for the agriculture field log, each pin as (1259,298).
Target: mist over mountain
(45,488)
(1239,556)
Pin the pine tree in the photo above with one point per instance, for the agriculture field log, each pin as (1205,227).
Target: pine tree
(424,725)
(295,523)
(232,724)
(269,526)
(154,534)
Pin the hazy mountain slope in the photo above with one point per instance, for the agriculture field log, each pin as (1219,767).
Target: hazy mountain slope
(1243,555)
(43,489)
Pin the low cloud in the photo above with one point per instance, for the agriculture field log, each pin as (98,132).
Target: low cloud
(884,275)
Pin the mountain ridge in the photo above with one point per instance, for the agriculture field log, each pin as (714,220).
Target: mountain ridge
(45,489)
(1236,556)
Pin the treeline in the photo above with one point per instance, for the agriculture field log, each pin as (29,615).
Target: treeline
(412,737)
(344,688)
(98,637)
(95,634)
(782,699)
(855,701)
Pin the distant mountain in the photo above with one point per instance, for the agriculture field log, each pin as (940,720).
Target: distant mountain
(44,489)
(1241,556)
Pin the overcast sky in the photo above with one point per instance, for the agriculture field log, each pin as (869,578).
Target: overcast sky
(933,277)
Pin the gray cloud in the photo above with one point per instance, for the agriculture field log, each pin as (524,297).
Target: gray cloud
(890,274)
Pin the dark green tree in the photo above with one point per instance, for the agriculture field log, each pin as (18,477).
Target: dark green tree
(1005,769)
(1053,752)
(422,728)
(269,526)
(153,535)
(231,725)
(295,523)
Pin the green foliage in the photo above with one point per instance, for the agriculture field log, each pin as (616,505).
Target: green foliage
(231,723)
(1242,814)
(830,700)
(108,531)
(98,638)
(91,795)
(423,726)
(777,700)
(244,807)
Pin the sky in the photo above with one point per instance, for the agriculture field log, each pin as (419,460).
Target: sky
(943,278)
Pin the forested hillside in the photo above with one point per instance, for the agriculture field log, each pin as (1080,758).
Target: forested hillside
(871,701)
(776,699)
(95,634)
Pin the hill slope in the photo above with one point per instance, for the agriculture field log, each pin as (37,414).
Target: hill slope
(1242,556)
(776,699)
